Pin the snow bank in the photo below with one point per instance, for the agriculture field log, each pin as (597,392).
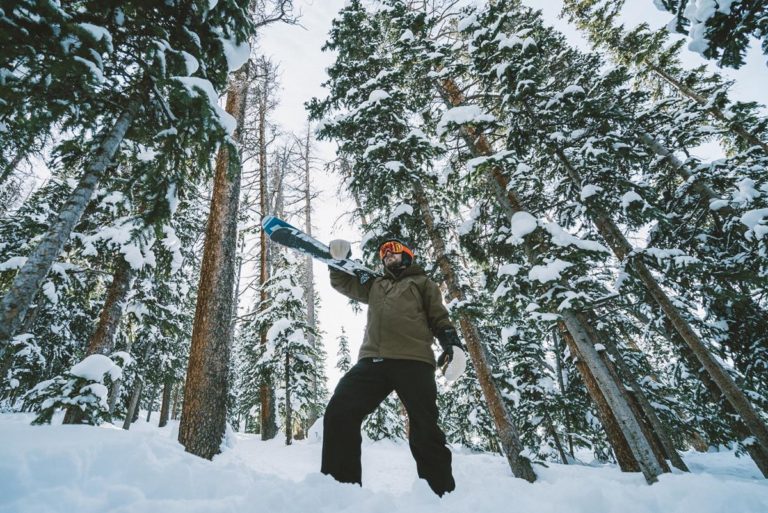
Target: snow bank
(86,469)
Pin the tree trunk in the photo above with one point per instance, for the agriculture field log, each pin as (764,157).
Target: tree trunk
(267,411)
(737,399)
(165,409)
(152,397)
(288,411)
(133,405)
(204,412)
(103,339)
(621,449)
(30,278)
(177,400)
(510,439)
(631,426)
(310,277)
(659,429)
(561,385)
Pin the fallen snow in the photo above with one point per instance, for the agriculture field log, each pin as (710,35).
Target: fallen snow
(88,469)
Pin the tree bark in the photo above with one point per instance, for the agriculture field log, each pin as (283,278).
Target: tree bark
(30,278)
(152,397)
(659,429)
(203,419)
(165,408)
(310,276)
(621,449)
(177,400)
(267,410)
(288,410)
(133,405)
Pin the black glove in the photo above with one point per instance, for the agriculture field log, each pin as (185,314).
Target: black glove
(448,338)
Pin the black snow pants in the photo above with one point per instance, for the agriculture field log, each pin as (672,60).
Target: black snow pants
(358,394)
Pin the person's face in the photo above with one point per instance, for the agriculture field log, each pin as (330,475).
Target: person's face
(393,260)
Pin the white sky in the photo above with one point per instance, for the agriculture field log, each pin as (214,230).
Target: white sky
(303,65)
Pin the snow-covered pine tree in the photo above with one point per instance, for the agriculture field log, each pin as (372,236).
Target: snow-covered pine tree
(555,136)
(344,362)
(722,30)
(288,358)
(640,451)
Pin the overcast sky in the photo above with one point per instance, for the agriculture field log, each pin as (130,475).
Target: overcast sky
(302,66)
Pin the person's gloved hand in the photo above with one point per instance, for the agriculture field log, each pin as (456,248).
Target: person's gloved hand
(340,249)
(448,339)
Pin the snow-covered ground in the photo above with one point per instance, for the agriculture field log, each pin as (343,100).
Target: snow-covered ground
(86,469)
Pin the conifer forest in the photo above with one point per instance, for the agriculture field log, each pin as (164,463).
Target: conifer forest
(594,211)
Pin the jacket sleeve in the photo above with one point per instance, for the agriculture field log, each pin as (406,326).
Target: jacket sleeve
(350,285)
(437,314)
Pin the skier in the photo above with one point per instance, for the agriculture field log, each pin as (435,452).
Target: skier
(405,311)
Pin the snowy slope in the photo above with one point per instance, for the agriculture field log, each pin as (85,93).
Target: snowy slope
(86,469)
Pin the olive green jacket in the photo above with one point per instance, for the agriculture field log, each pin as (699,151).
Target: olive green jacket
(404,313)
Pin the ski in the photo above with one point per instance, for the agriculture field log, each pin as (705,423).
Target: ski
(291,237)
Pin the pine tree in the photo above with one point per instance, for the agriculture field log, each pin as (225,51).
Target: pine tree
(344,362)
(288,358)
(723,30)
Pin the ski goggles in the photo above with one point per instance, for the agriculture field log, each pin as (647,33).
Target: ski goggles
(393,246)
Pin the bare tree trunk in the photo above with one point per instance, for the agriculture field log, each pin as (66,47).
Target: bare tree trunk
(288,410)
(268,423)
(310,276)
(133,405)
(165,408)
(103,339)
(561,385)
(659,429)
(152,397)
(177,400)
(30,278)
(203,419)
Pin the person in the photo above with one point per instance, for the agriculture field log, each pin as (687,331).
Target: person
(405,312)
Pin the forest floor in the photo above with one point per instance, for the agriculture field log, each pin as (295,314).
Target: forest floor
(106,469)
